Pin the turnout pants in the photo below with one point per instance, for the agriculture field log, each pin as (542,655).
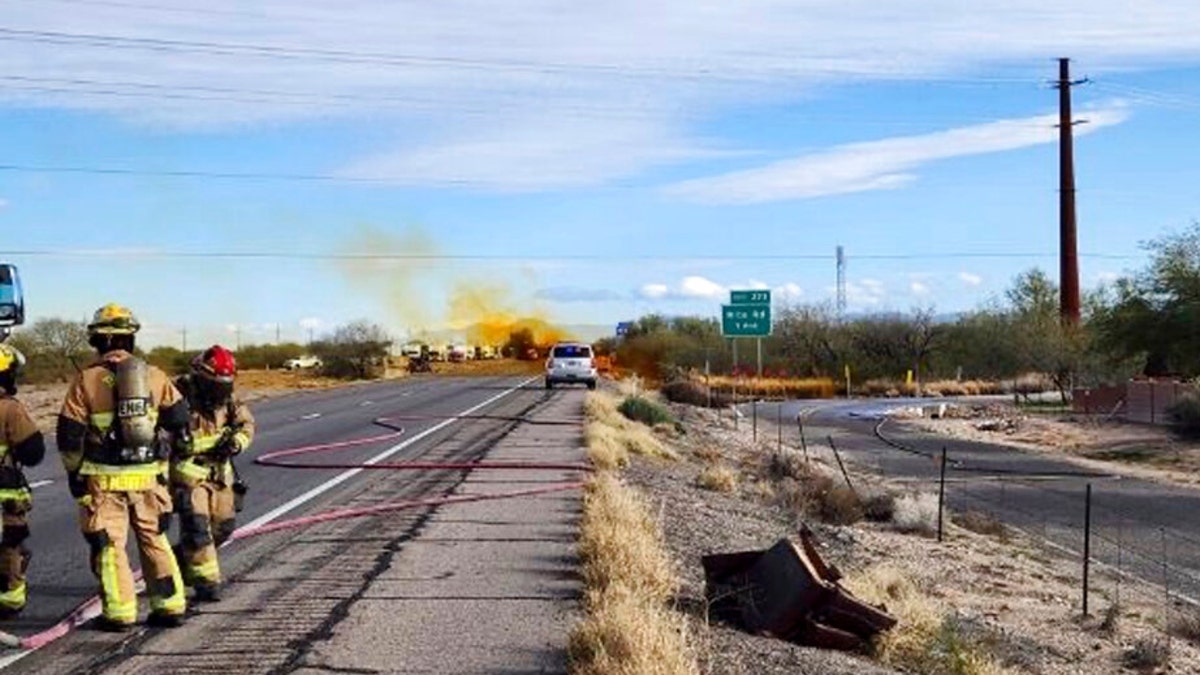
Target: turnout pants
(206,520)
(106,519)
(14,557)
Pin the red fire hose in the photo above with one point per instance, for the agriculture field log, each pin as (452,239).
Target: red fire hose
(281,459)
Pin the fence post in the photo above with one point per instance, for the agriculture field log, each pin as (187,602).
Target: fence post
(754,413)
(838,456)
(1087,543)
(1162,533)
(779,426)
(941,495)
(803,442)
(735,400)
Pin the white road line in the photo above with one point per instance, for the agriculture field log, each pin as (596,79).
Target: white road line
(328,485)
(275,513)
(40,483)
(310,416)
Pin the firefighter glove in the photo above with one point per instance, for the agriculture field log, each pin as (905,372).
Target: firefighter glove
(77,484)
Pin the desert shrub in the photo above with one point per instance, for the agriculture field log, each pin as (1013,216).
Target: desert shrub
(686,391)
(879,507)
(641,409)
(717,478)
(916,513)
(980,523)
(357,350)
(1147,654)
(786,464)
(1185,416)
(839,505)
(1185,624)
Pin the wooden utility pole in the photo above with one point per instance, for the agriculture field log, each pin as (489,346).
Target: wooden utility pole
(1068,246)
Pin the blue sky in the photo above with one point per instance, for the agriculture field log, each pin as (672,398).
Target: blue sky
(586,163)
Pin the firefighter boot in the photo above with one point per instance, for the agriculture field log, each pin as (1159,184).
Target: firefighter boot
(14,558)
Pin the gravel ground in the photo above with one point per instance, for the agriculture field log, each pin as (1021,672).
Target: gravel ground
(1139,450)
(1015,598)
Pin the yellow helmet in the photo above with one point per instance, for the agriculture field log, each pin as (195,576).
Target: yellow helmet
(113,319)
(11,360)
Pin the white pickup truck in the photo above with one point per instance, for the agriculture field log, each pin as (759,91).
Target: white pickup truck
(302,363)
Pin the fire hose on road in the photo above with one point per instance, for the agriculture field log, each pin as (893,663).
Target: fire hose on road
(286,458)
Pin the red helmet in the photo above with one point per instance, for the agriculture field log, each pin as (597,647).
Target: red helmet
(216,363)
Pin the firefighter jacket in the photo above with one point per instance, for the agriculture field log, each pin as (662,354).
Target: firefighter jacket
(219,432)
(88,415)
(21,444)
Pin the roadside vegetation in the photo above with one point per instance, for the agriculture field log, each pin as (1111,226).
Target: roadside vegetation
(1141,324)
(55,348)
(629,577)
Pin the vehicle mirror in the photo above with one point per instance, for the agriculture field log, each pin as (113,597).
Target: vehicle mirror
(12,301)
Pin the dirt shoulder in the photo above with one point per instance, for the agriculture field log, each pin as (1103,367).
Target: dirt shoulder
(999,597)
(1135,450)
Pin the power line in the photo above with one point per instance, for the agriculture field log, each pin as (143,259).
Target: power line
(135,89)
(685,71)
(484,257)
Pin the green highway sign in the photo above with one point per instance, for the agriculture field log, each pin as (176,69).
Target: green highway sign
(746,320)
(751,297)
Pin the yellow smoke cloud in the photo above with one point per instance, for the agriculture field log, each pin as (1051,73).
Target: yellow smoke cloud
(484,312)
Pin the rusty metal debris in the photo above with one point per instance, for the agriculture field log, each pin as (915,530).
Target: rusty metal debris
(788,592)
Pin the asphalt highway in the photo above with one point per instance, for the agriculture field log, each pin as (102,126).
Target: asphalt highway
(59,577)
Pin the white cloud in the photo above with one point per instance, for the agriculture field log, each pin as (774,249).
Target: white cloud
(1107,277)
(454,93)
(970,279)
(529,155)
(654,291)
(787,292)
(700,287)
(695,287)
(919,288)
(877,165)
(865,293)
(311,323)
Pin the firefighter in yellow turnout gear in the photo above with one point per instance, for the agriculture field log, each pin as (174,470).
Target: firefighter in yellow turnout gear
(203,479)
(117,425)
(21,444)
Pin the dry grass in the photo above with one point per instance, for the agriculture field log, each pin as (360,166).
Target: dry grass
(717,478)
(893,388)
(625,636)
(611,437)
(981,523)
(916,513)
(926,639)
(817,387)
(620,543)
(605,446)
(628,574)
(708,454)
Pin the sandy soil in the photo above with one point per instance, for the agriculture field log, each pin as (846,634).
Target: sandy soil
(1140,450)
(1021,601)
